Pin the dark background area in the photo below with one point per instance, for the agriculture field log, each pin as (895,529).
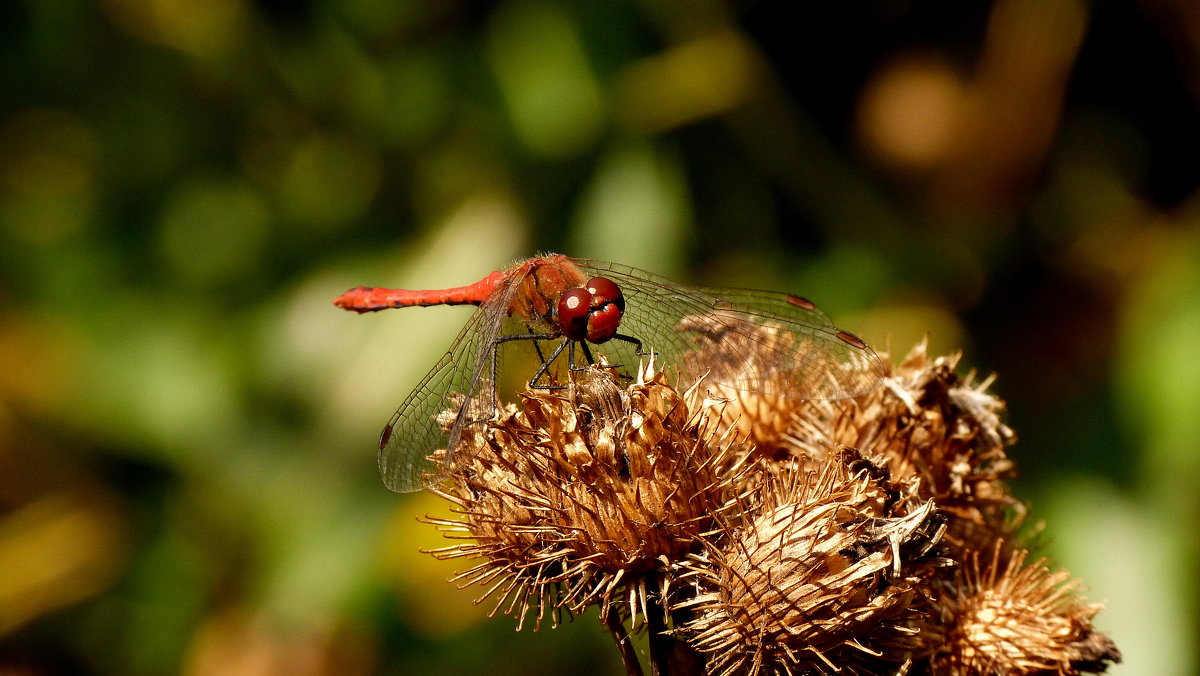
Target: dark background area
(187,475)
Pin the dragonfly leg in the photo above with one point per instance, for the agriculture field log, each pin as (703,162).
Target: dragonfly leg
(462,409)
(637,343)
(546,361)
(545,367)
(587,354)
(638,349)
(537,346)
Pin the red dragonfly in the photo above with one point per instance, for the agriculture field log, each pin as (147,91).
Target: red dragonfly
(626,314)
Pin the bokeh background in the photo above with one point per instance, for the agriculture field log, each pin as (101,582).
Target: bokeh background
(187,425)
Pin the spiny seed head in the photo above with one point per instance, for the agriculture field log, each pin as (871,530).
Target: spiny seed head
(1005,617)
(576,496)
(782,534)
(928,425)
(763,374)
(807,575)
(750,400)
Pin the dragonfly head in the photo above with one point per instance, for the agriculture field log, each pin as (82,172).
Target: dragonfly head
(591,312)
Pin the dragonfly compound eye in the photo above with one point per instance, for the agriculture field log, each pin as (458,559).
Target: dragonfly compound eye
(592,313)
(605,290)
(607,308)
(574,305)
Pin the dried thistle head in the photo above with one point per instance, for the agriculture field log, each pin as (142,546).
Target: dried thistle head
(930,426)
(1004,617)
(783,534)
(582,496)
(815,564)
(737,386)
(765,375)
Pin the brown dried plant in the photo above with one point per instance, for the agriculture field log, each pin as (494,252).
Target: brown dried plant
(763,534)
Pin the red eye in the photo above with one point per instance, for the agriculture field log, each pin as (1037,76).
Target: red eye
(608,307)
(605,290)
(573,309)
(592,312)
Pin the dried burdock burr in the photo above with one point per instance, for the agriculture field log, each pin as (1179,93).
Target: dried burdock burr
(813,566)
(928,425)
(1003,616)
(761,533)
(586,496)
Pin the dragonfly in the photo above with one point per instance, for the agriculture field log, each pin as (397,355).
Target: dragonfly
(568,305)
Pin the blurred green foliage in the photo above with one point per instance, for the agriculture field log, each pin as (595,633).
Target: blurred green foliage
(186,423)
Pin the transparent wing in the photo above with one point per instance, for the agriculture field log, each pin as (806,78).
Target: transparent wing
(457,391)
(757,341)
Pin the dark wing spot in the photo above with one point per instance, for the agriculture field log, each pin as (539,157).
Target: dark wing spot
(801,302)
(851,339)
(385,436)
